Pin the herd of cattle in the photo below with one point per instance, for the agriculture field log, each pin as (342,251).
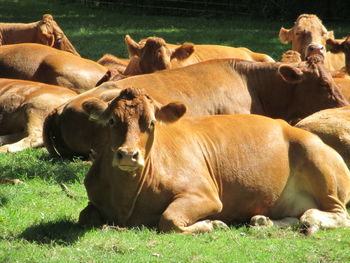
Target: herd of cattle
(233,157)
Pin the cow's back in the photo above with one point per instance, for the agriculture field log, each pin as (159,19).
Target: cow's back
(45,64)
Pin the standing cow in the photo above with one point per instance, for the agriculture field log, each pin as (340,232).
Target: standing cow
(193,174)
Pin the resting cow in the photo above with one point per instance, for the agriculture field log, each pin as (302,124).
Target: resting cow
(193,174)
(333,127)
(224,86)
(23,108)
(154,54)
(309,29)
(45,31)
(48,65)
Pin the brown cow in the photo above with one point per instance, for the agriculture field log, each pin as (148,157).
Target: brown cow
(309,29)
(154,54)
(195,174)
(23,108)
(48,65)
(336,47)
(290,92)
(333,127)
(45,31)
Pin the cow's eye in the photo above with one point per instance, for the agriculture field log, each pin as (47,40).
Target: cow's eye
(111,122)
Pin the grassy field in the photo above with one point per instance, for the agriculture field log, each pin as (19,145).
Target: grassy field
(38,219)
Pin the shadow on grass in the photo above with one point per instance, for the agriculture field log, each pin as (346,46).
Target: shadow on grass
(37,163)
(62,232)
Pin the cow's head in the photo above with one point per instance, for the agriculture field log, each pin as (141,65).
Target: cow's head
(306,30)
(290,56)
(335,46)
(154,54)
(50,34)
(313,88)
(132,118)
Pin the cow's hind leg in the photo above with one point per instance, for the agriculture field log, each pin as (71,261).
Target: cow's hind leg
(33,139)
(184,214)
(328,180)
(260,220)
(313,220)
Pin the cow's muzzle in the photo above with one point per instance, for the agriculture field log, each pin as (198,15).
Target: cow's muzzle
(128,159)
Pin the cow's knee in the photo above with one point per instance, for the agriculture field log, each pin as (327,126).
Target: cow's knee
(90,216)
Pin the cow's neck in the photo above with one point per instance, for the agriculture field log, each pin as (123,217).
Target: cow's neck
(24,32)
(267,88)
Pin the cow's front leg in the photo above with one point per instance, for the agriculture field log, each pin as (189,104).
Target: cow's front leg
(183,213)
(90,216)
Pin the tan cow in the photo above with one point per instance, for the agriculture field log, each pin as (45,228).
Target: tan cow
(343,46)
(23,108)
(333,127)
(154,54)
(194,174)
(224,86)
(309,29)
(45,31)
(49,65)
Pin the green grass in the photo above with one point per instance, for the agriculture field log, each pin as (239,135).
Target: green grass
(38,220)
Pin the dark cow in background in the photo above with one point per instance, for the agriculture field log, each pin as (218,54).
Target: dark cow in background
(308,29)
(153,53)
(194,174)
(48,65)
(45,31)
(290,92)
(23,108)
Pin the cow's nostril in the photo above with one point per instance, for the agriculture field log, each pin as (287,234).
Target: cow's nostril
(134,157)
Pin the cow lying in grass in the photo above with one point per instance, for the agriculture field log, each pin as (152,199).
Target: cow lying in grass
(153,53)
(45,31)
(225,86)
(194,174)
(41,63)
(23,108)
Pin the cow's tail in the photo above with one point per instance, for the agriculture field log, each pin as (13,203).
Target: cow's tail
(52,137)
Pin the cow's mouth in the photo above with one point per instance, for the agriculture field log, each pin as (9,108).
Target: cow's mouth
(128,168)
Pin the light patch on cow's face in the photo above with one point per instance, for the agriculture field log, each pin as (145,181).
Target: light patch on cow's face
(132,122)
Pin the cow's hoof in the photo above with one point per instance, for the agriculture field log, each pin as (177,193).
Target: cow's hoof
(260,220)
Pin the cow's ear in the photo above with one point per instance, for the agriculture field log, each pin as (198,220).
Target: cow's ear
(95,108)
(134,49)
(290,74)
(183,52)
(171,112)
(334,46)
(330,34)
(285,35)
